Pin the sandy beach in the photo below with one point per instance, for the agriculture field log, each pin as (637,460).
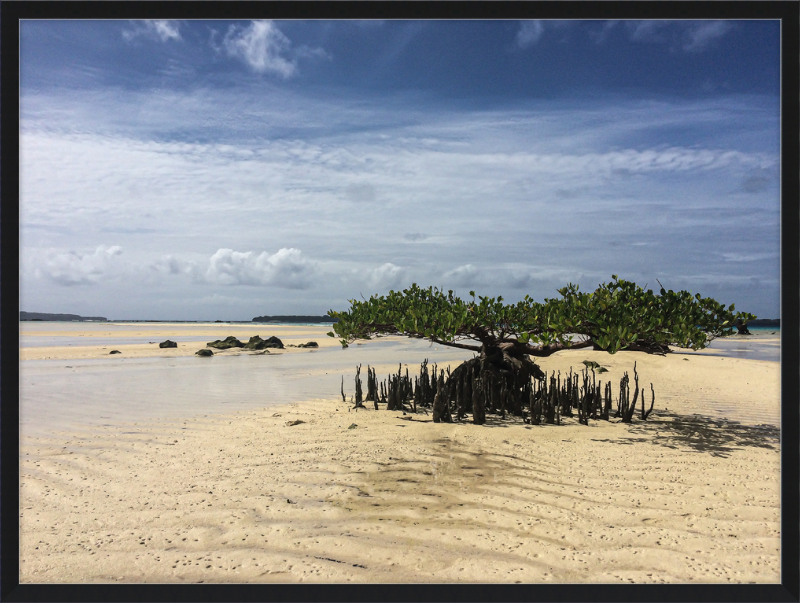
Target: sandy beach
(690,495)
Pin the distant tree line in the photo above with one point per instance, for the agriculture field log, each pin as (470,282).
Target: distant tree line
(295,318)
(57,317)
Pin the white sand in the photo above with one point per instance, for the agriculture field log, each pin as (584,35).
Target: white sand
(247,498)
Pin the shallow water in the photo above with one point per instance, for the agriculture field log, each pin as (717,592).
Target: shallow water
(57,395)
(761,345)
(43,341)
(64,394)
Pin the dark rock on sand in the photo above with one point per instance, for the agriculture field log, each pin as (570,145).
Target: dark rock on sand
(115,352)
(224,344)
(310,344)
(168,344)
(256,343)
(204,353)
(273,342)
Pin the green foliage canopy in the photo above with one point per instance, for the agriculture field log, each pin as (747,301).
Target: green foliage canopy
(618,316)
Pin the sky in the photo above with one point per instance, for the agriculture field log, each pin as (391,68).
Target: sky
(222,170)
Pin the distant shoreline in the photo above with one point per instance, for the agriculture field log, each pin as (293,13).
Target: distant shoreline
(287,320)
(765,322)
(280,319)
(45,317)
(295,318)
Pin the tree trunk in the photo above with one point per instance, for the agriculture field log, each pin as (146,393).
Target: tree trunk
(441,409)
(478,404)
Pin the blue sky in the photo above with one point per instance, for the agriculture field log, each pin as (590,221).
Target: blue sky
(203,170)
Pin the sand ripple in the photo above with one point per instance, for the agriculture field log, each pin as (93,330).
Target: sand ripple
(401,499)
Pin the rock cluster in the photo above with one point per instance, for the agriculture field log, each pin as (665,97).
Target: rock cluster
(256,343)
(224,344)
(168,344)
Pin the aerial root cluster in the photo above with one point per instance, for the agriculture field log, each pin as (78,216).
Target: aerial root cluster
(477,387)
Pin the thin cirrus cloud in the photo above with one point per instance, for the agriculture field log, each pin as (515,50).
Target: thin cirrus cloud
(529,33)
(689,36)
(748,257)
(274,182)
(701,35)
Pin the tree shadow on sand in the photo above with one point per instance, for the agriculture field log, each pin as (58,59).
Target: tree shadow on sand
(718,437)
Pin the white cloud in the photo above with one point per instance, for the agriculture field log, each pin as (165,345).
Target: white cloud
(71,268)
(170,265)
(387,276)
(288,268)
(260,45)
(155,29)
(529,33)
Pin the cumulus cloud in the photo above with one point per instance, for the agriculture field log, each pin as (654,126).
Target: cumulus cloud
(387,276)
(288,268)
(171,265)
(529,33)
(260,46)
(154,29)
(71,268)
